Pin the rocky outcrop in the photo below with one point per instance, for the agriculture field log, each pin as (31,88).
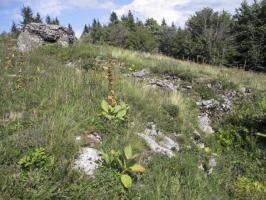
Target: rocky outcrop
(34,35)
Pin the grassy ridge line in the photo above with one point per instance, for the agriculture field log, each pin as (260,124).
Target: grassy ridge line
(237,76)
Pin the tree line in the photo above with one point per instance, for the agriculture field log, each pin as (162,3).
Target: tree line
(28,17)
(211,37)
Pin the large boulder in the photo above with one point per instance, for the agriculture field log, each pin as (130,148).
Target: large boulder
(34,35)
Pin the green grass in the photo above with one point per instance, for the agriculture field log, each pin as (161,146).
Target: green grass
(60,95)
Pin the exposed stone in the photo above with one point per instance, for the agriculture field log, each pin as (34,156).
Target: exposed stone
(140,74)
(13,116)
(89,160)
(34,35)
(204,123)
(158,142)
(165,84)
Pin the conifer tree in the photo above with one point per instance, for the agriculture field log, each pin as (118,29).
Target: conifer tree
(70,28)
(14,29)
(163,23)
(48,19)
(27,15)
(114,18)
(38,18)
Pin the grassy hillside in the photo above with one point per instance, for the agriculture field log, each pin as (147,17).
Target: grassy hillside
(52,94)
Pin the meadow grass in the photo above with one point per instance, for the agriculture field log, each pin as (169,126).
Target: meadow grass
(59,98)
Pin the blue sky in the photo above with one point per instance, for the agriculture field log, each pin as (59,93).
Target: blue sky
(80,12)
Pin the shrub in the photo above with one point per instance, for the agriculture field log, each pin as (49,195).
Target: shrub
(35,159)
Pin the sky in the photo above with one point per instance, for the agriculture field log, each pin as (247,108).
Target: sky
(81,12)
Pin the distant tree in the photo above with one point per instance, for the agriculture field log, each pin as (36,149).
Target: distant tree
(27,15)
(129,21)
(113,18)
(139,23)
(118,35)
(70,28)
(56,21)
(48,19)
(210,33)
(165,37)
(152,25)
(142,39)
(85,31)
(97,32)
(249,30)
(163,22)
(38,18)
(14,29)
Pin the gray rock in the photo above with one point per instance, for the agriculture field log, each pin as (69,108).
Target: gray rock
(89,160)
(34,35)
(165,84)
(139,74)
(204,123)
(227,104)
(207,103)
(189,87)
(158,142)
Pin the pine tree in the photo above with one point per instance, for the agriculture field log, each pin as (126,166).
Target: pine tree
(56,21)
(163,22)
(27,15)
(38,18)
(70,28)
(114,18)
(85,30)
(48,19)
(14,29)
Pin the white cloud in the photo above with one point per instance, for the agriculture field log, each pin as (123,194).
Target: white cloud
(176,11)
(56,7)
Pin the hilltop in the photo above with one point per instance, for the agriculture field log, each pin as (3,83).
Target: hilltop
(208,123)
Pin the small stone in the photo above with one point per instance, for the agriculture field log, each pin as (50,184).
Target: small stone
(139,74)
(204,124)
(88,160)
(189,87)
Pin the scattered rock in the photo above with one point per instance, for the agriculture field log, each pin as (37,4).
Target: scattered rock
(158,142)
(140,74)
(34,35)
(208,165)
(207,103)
(227,104)
(165,84)
(204,123)
(89,160)
(13,115)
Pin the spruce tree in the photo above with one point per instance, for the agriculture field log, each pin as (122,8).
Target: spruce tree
(14,29)
(56,21)
(70,28)
(48,19)
(163,23)
(114,18)
(38,18)
(27,15)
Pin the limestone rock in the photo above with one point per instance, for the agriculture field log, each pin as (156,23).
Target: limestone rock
(34,35)
(158,142)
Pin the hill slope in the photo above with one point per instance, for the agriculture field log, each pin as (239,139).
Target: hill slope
(52,95)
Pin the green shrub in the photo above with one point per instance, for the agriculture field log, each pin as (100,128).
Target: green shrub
(35,159)
(170,109)
(248,189)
